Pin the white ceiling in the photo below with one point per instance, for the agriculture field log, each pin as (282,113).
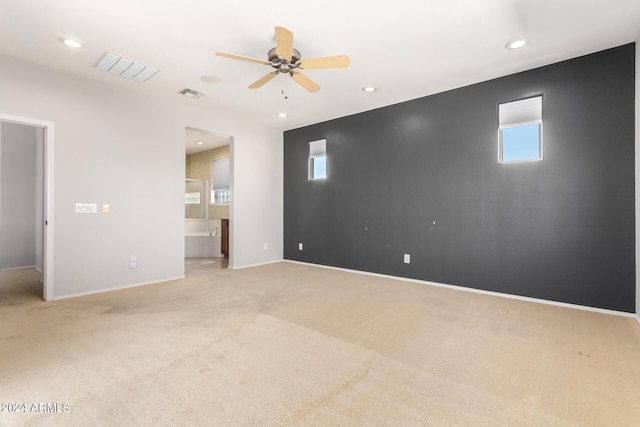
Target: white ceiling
(406,48)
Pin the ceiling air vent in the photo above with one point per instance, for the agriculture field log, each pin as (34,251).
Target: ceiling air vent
(190,93)
(116,64)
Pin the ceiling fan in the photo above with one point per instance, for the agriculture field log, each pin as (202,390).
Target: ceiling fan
(286,60)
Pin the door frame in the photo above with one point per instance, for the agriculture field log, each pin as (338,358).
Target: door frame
(47,255)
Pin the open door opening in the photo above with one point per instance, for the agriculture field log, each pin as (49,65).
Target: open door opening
(27,141)
(208,199)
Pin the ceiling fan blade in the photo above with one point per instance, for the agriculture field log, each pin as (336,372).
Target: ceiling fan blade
(305,82)
(242,58)
(341,61)
(262,80)
(284,43)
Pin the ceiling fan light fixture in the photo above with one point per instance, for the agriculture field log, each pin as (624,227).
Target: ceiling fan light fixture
(517,44)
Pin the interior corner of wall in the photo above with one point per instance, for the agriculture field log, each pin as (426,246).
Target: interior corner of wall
(637,172)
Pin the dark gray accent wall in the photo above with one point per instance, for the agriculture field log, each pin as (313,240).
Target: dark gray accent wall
(422,178)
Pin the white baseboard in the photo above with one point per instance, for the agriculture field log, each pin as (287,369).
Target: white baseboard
(477,291)
(24,267)
(255,265)
(99,291)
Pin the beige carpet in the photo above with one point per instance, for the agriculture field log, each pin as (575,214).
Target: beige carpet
(288,344)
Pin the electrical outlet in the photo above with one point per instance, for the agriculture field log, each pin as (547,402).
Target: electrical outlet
(407,258)
(133,262)
(299,246)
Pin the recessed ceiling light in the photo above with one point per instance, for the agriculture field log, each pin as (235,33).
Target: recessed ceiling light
(70,42)
(516,44)
(282,115)
(369,89)
(200,142)
(210,80)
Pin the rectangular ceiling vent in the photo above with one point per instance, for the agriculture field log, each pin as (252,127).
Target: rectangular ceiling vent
(190,93)
(116,64)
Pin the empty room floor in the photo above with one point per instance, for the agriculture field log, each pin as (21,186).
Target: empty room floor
(290,344)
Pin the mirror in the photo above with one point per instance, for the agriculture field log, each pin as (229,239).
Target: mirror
(195,199)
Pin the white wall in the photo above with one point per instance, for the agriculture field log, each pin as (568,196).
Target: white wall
(257,201)
(18,192)
(119,147)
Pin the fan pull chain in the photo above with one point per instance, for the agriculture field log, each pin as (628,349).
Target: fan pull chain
(284,88)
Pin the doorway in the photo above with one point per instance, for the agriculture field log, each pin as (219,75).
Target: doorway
(42,223)
(208,161)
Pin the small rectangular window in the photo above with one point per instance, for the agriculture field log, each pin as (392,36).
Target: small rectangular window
(191,198)
(318,159)
(319,167)
(220,194)
(520,130)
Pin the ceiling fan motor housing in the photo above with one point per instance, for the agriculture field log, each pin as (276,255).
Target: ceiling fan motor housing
(282,65)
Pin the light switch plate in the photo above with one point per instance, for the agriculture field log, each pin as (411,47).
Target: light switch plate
(105,208)
(86,208)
